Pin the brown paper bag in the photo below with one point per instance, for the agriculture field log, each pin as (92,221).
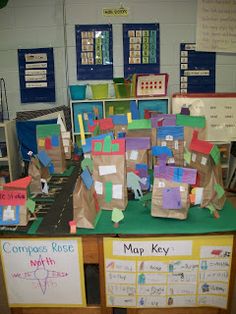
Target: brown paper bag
(109,173)
(85,206)
(35,172)
(209,194)
(158,208)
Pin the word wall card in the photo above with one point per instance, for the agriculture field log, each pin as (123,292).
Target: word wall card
(197,70)
(94,52)
(141,49)
(163,273)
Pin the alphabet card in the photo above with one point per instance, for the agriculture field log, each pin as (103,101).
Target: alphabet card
(43,272)
(164,273)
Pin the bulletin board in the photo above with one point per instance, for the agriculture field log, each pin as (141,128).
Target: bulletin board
(197,70)
(141,49)
(36,75)
(164,273)
(94,52)
(43,272)
(218,108)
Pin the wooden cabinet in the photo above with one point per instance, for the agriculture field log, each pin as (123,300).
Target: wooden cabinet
(9,150)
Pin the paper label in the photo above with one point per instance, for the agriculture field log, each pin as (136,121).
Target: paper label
(176,145)
(133,155)
(8,214)
(194,156)
(117,191)
(106,170)
(204,161)
(98,187)
(163,143)
(169,138)
(161,184)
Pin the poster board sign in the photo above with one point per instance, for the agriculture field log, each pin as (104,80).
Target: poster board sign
(218,108)
(216,26)
(36,74)
(164,273)
(43,272)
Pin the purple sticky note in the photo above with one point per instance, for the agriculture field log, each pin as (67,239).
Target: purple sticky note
(171,198)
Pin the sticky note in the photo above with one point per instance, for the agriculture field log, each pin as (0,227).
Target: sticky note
(108,192)
(133,155)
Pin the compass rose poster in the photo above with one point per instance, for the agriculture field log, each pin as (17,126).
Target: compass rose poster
(43,272)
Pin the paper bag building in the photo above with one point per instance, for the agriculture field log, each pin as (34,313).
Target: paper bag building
(191,124)
(137,151)
(109,172)
(13,209)
(172,137)
(86,209)
(120,123)
(38,169)
(170,196)
(205,157)
(49,140)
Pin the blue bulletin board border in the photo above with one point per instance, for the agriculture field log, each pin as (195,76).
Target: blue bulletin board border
(94,71)
(196,61)
(37,94)
(142,68)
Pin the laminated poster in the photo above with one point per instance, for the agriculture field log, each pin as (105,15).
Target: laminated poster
(164,273)
(43,272)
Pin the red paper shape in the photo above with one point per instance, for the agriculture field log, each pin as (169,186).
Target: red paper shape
(48,143)
(13,198)
(96,201)
(20,184)
(200,146)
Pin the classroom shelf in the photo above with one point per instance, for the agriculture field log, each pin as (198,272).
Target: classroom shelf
(114,106)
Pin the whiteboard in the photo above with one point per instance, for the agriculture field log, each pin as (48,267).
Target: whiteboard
(43,272)
(219,110)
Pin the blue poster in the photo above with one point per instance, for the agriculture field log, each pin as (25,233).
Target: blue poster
(141,49)
(197,70)
(94,52)
(36,74)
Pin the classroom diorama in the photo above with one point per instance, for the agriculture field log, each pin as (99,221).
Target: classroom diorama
(132,171)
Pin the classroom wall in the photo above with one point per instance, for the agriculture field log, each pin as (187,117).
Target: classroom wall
(51,23)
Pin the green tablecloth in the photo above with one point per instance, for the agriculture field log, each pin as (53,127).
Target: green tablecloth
(138,220)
